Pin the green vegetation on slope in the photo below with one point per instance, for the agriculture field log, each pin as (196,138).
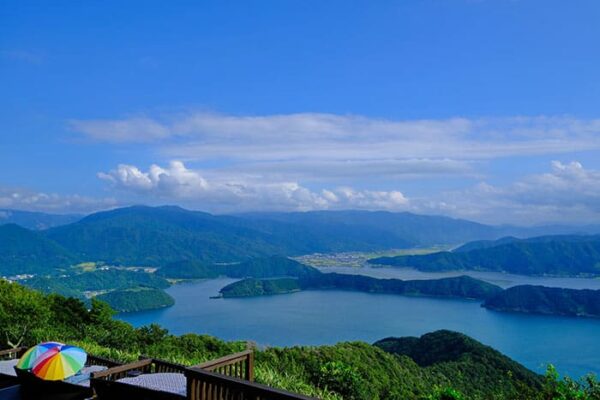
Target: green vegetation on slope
(124,288)
(550,255)
(158,236)
(137,299)
(343,371)
(96,281)
(259,287)
(27,252)
(454,355)
(114,279)
(546,300)
(188,269)
(260,267)
(269,267)
(462,286)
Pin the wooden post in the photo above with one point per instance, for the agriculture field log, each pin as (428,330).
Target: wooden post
(250,367)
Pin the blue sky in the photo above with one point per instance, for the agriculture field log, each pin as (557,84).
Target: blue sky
(485,110)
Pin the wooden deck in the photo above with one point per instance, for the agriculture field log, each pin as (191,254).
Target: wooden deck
(10,354)
(227,378)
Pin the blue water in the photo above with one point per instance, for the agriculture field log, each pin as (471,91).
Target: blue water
(327,317)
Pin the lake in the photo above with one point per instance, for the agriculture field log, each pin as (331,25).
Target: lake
(328,317)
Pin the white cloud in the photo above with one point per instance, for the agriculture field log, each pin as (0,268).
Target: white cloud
(177,183)
(275,162)
(24,199)
(317,146)
(315,135)
(568,193)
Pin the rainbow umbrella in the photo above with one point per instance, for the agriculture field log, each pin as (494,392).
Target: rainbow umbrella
(28,359)
(59,363)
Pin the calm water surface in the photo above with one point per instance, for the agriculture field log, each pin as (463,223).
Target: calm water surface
(327,317)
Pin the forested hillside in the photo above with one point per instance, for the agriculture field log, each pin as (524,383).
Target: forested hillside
(549,255)
(23,251)
(460,287)
(159,236)
(546,300)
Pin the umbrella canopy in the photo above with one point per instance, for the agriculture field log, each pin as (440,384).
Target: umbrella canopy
(59,363)
(27,361)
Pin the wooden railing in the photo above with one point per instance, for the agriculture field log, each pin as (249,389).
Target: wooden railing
(122,371)
(101,361)
(206,385)
(239,365)
(166,366)
(226,378)
(11,354)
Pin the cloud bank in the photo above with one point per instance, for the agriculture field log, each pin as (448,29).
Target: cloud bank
(24,199)
(568,193)
(319,147)
(311,161)
(178,183)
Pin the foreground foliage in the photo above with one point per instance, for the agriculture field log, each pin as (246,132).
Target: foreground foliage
(455,367)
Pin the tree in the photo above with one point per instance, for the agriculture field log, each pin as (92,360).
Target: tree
(24,315)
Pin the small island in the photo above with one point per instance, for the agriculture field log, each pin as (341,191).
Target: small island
(460,287)
(260,287)
(137,299)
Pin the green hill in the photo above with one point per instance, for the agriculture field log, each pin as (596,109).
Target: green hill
(269,267)
(137,299)
(27,252)
(462,286)
(261,287)
(188,269)
(159,236)
(471,366)
(546,300)
(116,281)
(260,267)
(548,255)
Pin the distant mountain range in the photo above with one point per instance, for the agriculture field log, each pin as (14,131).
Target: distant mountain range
(565,255)
(36,220)
(158,236)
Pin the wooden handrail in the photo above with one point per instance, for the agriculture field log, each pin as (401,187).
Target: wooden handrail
(206,385)
(10,352)
(239,365)
(222,361)
(102,361)
(121,369)
(167,366)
